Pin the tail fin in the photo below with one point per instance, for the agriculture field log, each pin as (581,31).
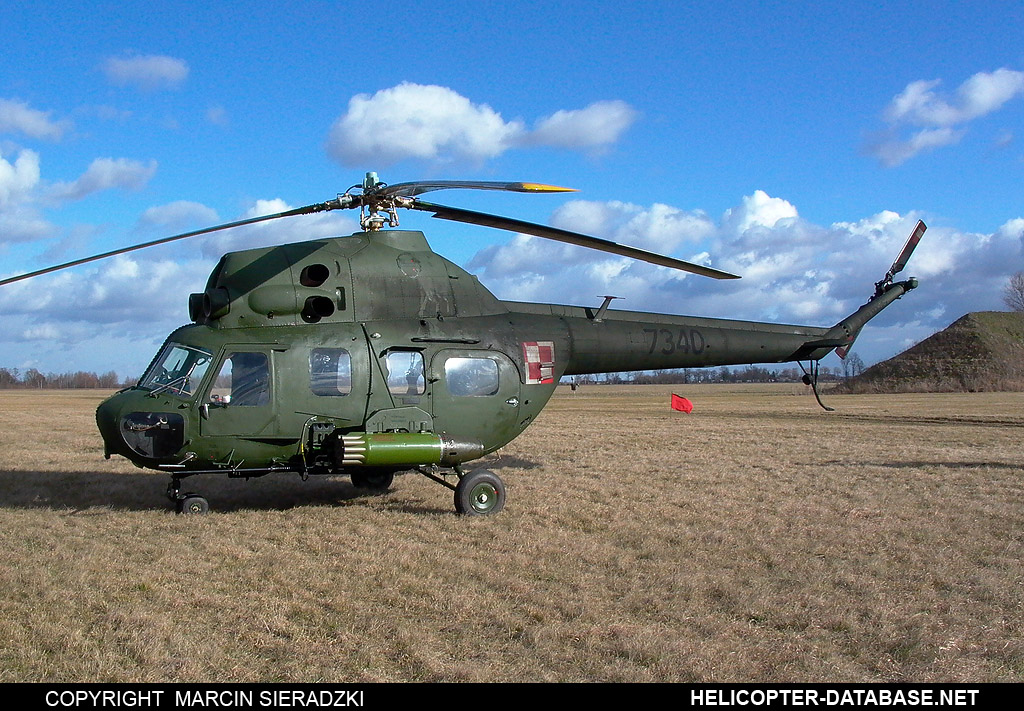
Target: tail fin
(886,292)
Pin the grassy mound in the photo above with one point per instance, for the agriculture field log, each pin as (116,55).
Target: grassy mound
(979,352)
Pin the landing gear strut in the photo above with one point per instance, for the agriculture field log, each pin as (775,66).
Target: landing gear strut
(187,503)
(479,493)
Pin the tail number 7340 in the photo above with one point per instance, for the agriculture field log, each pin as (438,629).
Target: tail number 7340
(668,341)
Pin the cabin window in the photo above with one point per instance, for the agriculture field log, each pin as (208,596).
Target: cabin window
(471,377)
(179,369)
(405,373)
(243,381)
(330,371)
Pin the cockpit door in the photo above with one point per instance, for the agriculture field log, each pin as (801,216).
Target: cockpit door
(240,399)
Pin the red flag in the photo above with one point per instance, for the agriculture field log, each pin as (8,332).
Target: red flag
(681,404)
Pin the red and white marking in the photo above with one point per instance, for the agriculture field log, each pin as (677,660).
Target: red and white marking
(540,362)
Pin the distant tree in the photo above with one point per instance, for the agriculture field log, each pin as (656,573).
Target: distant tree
(1013,293)
(9,378)
(107,380)
(852,366)
(34,379)
(856,365)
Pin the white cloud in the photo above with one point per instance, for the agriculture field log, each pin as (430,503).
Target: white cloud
(793,271)
(437,124)
(20,220)
(919,104)
(659,228)
(104,174)
(982,94)
(148,72)
(19,178)
(178,215)
(44,332)
(892,151)
(135,300)
(417,121)
(280,231)
(595,127)
(19,117)
(758,210)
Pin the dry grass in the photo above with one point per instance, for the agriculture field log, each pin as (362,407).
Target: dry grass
(757,539)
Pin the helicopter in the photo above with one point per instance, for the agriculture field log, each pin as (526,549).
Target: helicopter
(370,354)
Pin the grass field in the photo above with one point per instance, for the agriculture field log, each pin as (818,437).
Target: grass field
(756,539)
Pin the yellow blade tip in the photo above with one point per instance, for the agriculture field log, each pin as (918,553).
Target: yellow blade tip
(542,188)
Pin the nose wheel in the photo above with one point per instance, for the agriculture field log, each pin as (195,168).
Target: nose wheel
(187,503)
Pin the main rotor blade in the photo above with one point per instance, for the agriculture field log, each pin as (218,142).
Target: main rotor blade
(318,207)
(426,186)
(506,223)
(908,248)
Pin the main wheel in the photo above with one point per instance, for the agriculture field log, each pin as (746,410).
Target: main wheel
(480,493)
(193,504)
(374,481)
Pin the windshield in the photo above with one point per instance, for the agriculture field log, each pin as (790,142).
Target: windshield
(178,369)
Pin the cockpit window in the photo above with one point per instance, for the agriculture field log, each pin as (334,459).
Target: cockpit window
(243,381)
(178,369)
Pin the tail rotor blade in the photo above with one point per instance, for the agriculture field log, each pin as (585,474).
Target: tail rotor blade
(908,249)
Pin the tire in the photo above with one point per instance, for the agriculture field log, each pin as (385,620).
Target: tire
(480,493)
(192,504)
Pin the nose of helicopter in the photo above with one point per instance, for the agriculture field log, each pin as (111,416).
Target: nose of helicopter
(132,426)
(107,416)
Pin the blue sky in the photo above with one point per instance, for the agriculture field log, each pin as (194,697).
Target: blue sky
(793,143)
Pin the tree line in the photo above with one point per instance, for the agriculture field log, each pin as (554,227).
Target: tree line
(13,378)
(852,366)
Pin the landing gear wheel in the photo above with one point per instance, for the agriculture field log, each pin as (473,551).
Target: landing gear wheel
(374,481)
(480,493)
(193,504)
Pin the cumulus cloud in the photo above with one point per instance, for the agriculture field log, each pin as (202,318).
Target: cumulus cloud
(793,271)
(20,220)
(178,215)
(940,118)
(19,178)
(282,231)
(104,174)
(19,117)
(417,121)
(437,124)
(149,72)
(758,210)
(595,127)
(140,297)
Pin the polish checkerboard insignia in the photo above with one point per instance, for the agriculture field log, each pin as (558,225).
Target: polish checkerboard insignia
(540,362)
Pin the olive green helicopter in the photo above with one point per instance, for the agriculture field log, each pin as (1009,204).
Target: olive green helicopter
(371,354)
